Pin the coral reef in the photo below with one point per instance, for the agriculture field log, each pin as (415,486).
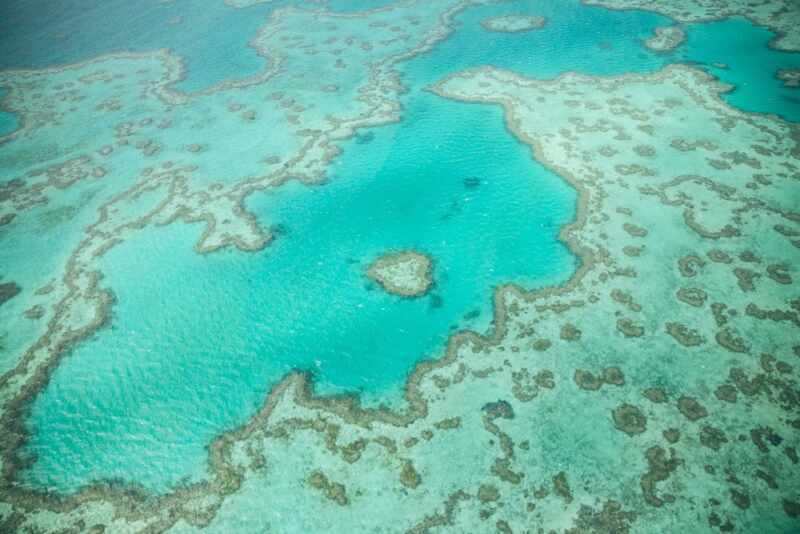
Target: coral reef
(789,77)
(514,23)
(407,273)
(8,290)
(666,39)
(608,404)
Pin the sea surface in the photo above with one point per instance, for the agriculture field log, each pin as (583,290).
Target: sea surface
(196,342)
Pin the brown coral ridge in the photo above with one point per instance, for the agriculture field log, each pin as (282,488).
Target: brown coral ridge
(590,382)
(629,419)
(334,491)
(8,290)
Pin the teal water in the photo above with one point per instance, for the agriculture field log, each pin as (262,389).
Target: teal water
(749,65)
(602,42)
(576,38)
(197,341)
(40,33)
(34,35)
(8,121)
(349,6)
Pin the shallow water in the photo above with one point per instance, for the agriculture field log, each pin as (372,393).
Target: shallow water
(238,322)
(304,302)
(197,341)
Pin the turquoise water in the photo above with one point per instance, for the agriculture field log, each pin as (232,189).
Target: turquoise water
(246,319)
(197,341)
(575,38)
(349,6)
(602,42)
(8,121)
(749,65)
